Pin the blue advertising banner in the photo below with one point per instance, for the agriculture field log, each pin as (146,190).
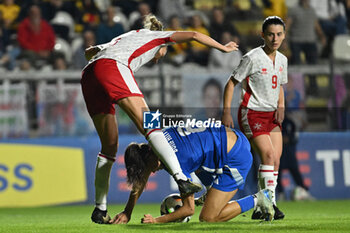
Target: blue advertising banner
(324,158)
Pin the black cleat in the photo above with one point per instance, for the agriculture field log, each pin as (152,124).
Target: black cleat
(278,214)
(264,208)
(100,216)
(257,215)
(186,187)
(199,201)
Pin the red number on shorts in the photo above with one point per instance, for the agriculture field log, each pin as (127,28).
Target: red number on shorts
(274,81)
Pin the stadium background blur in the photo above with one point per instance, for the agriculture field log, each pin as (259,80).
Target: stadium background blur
(44,122)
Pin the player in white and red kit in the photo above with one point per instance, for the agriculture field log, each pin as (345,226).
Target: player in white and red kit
(262,72)
(108,79)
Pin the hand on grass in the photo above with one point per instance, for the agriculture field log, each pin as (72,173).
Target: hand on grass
(120,218)
(148,219)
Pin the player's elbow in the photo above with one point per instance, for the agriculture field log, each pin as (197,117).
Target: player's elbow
(194,35)
(188,211)
(186,36)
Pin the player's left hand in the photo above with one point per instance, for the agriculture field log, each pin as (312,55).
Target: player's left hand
(279,115)
(148,219)
(120,218)
(230,46)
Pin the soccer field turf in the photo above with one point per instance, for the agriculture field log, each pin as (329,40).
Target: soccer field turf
(318,216)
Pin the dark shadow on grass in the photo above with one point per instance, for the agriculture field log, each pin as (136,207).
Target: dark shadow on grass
(217,227)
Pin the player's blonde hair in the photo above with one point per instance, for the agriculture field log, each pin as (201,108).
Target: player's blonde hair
(152,23)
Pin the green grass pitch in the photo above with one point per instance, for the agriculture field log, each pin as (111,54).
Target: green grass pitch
(318,216)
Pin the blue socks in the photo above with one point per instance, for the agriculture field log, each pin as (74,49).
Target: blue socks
(246,203)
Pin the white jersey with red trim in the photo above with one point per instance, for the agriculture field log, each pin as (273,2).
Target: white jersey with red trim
(261,79)
(134,48)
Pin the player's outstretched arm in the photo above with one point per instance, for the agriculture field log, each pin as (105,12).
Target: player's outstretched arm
(180,37)
(228,94)
(187,209)
(125,216)
(121,218)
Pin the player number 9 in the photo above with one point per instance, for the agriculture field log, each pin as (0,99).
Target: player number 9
(274,81)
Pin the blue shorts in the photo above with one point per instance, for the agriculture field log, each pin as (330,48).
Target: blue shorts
(234,173)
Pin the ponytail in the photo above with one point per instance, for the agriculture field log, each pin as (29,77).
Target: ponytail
(152,23)
(135,158)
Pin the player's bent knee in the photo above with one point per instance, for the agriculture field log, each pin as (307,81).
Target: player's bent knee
(268,157)
(207,218)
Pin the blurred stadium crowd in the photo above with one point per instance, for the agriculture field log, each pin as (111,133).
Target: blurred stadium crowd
(52,34)
(41,36)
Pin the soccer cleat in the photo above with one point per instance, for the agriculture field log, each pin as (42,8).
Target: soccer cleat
(301,194)
(264,202)
(100,216)
(199,201)
(186,187)
(278,214)
(257,214)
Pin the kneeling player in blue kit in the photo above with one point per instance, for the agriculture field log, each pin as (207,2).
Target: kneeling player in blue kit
(221,152)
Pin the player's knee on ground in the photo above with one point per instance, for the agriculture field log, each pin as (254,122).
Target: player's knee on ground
(207,217)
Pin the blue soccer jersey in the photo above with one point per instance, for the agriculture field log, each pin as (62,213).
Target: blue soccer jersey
(206,149)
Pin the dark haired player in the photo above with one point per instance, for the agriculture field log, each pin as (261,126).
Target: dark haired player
(221,158)
(262,72)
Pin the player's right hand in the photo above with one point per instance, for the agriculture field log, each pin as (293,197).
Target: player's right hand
(120,218)
(227,120)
